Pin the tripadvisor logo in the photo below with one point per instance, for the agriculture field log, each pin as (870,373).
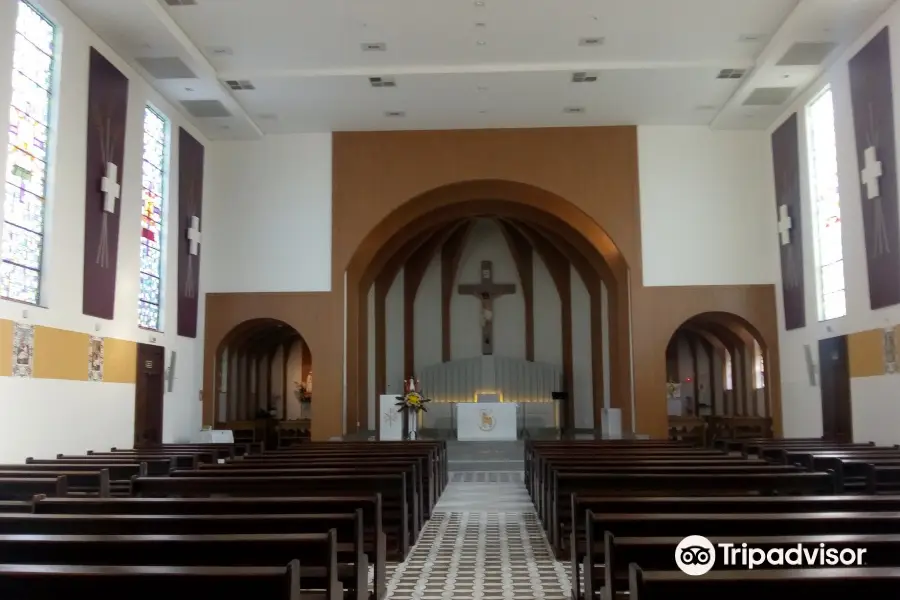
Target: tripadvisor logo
(695,555)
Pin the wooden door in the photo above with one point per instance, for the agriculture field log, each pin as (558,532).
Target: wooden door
(834,376)
(148,397)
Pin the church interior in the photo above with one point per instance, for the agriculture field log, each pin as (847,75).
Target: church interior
(421,299)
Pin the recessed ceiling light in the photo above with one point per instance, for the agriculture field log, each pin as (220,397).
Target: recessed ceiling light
(189,89)
(374,46)
(382,82)
(226,126)
(591,41)
(395,113)
(480,24)
(479,3)
(584,77)
(481,43)
(220,51)
(482,112)
(482,88)
(749,38)
(574,110)
(705,107)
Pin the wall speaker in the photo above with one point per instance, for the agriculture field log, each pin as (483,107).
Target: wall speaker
(170,375)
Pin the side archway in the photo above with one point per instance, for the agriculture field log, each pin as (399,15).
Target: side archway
(718,385)
(263,369)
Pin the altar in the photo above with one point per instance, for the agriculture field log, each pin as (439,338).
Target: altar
(495,421)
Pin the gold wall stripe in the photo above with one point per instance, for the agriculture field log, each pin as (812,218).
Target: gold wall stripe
(60,354)
(866,350)
(119,361)
(6,342)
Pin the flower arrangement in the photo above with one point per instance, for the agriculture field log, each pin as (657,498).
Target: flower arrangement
(412,401)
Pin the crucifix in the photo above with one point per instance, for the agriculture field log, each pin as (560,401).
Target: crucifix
(110,187)
(784,224)
(486,291)
(193,235)
(870,176)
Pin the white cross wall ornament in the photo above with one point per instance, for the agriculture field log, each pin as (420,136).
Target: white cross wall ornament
(871,173)
(784,224)
(193,235)
(109,185)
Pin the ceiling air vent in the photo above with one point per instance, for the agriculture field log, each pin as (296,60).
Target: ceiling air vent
(240,84)
(584,77)
(181,2)
(395,114)
(591,41)
(731,74)
(574,110)
(203,109)
(170,67)
(769,96)
(382,82)
(807,54)
(374,47)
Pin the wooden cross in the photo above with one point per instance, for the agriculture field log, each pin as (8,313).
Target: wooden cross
(486,291)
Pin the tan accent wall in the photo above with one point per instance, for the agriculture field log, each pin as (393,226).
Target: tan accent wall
(378,181)
(60,354)
(866,350)
(6,342)
(119,361)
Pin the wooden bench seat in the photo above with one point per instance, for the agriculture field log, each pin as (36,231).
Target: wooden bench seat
(415,491)
(377,539)
(391,487)
(656,553)
(84,481)
(25,488)
(182,461)
(154,466)
(724,525)
(317,553)
(821,584)
(699,484)
(15,506)
(50,582)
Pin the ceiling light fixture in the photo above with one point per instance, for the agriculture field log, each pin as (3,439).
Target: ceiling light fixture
(574,110)
(479,3)
(189,89)
(482,88)
(395,113)
(480,24)
(374,46)
(481,43)
(591,41)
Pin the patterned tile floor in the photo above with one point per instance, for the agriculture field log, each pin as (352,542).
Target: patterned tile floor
(484,542)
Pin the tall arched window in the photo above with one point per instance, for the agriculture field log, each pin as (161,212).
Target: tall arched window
(26,164)
(156,150)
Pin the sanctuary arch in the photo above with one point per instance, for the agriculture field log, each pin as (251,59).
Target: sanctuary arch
(575,187)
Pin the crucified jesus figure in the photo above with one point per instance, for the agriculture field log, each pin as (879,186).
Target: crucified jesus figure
(486,291)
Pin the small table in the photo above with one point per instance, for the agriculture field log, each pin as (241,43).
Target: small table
(496,421)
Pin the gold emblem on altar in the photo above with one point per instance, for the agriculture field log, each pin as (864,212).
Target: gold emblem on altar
(487,420)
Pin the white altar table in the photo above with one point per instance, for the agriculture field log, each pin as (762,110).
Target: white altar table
(494,421)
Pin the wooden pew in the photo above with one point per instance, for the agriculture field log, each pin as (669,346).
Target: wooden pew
(183,459)
(413,499)
(375,535)
(83,481)
(25,489)
(317,553)
(822,584)
(723,525)
(881,479)
(656,553)
(391,487)
(15,506)
(565,484)
(46,582)
(157,466)
(349,527)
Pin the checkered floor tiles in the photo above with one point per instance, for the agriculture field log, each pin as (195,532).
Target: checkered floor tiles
(484,542)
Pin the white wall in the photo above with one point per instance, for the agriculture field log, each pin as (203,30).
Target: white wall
(486,242)
(875,408)
(706,206)
(268,219)
(43,417)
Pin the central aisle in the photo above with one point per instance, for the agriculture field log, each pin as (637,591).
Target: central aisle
(484,542)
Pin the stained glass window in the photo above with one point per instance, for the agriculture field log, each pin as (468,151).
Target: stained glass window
(156,138)
(26,162)
(729,383)
(759,366)
(826,203)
